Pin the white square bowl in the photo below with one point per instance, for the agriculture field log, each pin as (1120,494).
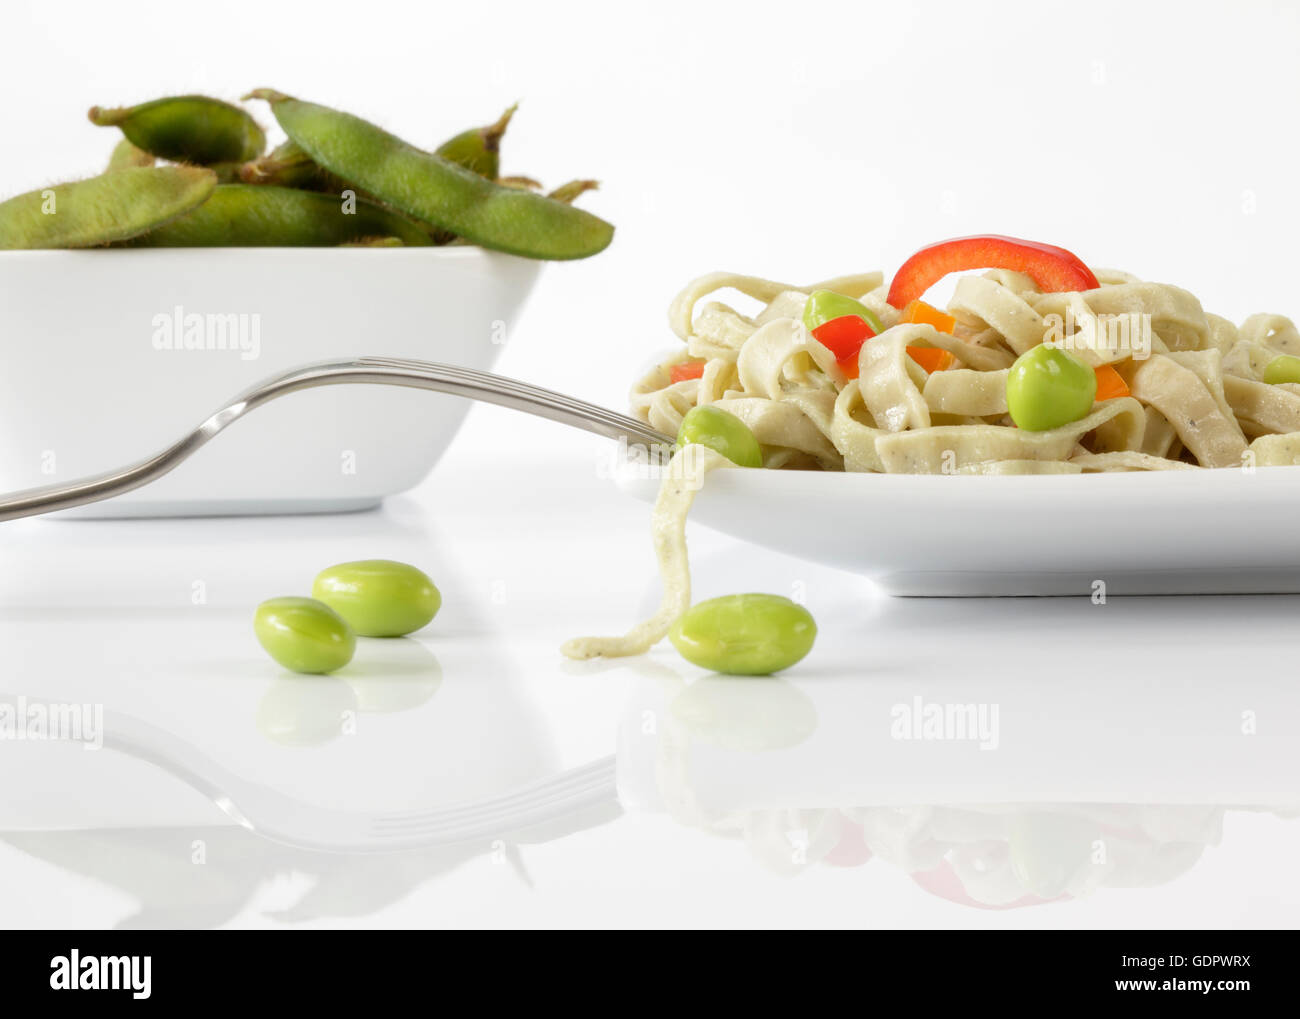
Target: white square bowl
(95,375)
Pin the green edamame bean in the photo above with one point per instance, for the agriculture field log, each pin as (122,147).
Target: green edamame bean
(825,305)
(744,634)
(252,216)
(479,148)
(1047,388)
(435,190)
(569,192)
(1283,368)
(112,207)
(187,129)
(125,156)
(720,430)
(379,597)
(304,635)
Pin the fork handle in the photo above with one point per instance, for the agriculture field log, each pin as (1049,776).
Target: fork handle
(430,375)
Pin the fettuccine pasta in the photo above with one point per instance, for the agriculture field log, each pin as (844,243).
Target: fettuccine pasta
(1187,388)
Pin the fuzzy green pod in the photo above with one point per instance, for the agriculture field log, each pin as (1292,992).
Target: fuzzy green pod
(435,190)
(287,165)
(126,156)
(112,207)
(479,148)
(574,189)
(253,216)
(187,129)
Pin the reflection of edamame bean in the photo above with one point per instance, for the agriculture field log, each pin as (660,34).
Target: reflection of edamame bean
(479,148)
(112,207)
(397,675)
(305,712)
(303,634)
(379,597)
(1047,388)
(763,714)
(251,216)
(125,156)
(435,190)
(188,129)
(744,634)
(721,431)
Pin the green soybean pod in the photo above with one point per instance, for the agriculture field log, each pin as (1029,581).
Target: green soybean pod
(479,148)
(112,207)
(126,156)
(574,189)
(253,216)
(435,190)
(287,165)
(744,634)
(304,635)
(379,597)
(187,129)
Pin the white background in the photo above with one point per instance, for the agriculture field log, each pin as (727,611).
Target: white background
(796,141)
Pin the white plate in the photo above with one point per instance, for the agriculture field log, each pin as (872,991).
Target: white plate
(1186,532)
(89,383)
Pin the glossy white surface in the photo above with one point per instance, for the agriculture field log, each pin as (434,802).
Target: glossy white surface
(155,341)
(1145,771)
(1159,532)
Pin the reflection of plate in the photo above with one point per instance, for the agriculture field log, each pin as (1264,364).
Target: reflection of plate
(1089,780)
(1140,533)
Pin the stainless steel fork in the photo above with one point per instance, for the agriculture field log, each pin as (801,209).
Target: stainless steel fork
(384,371)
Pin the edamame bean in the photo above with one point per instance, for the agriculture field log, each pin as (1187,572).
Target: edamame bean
(125,156)
(1282,369)
(112,207)
(379,597)
(304,635)
(572,190)
(1047,388)
(252,216)
(517,181)
(435,190)
(825,305)
(479,148)
(187,129)
(744,634)
(722,431)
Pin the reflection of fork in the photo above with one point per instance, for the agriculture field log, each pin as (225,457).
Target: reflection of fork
(585,795)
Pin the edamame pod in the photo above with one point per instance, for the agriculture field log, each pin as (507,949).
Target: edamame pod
(436,191)
(125,156)
(112,207)
(289,166)
(253,216)
(187,129)
(569,192)
(479,148)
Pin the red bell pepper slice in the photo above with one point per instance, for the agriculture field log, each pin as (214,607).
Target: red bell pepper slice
(844,337)
(1052,268)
